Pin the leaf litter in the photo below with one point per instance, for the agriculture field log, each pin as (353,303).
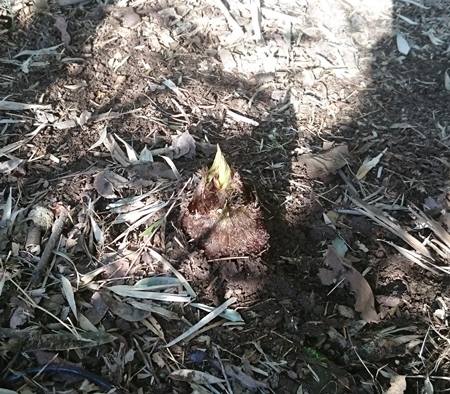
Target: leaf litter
(95,234)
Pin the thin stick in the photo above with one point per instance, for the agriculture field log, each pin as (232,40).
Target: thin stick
(57,228)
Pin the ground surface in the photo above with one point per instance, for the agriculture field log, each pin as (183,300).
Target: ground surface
(325,87)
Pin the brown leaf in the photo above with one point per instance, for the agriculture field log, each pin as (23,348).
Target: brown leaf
(323,164)
(365,302)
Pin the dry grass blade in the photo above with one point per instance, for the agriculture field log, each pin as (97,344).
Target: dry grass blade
(185,283)
(217,312)
(154,309)
(379,218)
(437,229)
(229,314)
(414,257)
(13,106)
(131,291)
(2,280)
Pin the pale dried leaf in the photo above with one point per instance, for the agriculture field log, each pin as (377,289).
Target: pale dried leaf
(133,216)
(118,181)
(98,233)
(190,332)
(98,311)
(12,147)
(132,155)
(184,145)
(407,20)
(61,25)
(67,290)
(77,86)
(186,284)
(157,282)
(415,257)
(172,166)
(402,45)
(227,59)
(340,246)
(146,156)
(102,137)
(172,86)
(193,376)
(447,79)
(103,186)
(435,40)
(19,317)
(156,357)
(85,323)
(13,106)
(7,166)
(149,306)
(378,217)
(239,375)
(398,385)
(131,291)
(365,301)
(7,207)
(85,116)
(368,164)
(6,391)
(129,356)
(229,314)
(428,386)
(2,280)
(116,151)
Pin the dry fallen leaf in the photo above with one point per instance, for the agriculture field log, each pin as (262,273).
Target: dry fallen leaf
(124,310)
(61,25)
(398,385)
(153,171)
(323,164)
(193,376)
(7,166)
(103,186)
(402,45)
(184,145)
(365,302)
(368,164)
(447,80)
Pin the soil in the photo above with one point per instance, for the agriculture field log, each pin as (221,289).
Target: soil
(338,78)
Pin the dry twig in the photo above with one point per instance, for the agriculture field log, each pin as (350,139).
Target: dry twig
(45,258)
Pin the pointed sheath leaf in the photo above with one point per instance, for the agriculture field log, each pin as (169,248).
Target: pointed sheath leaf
(220,171)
